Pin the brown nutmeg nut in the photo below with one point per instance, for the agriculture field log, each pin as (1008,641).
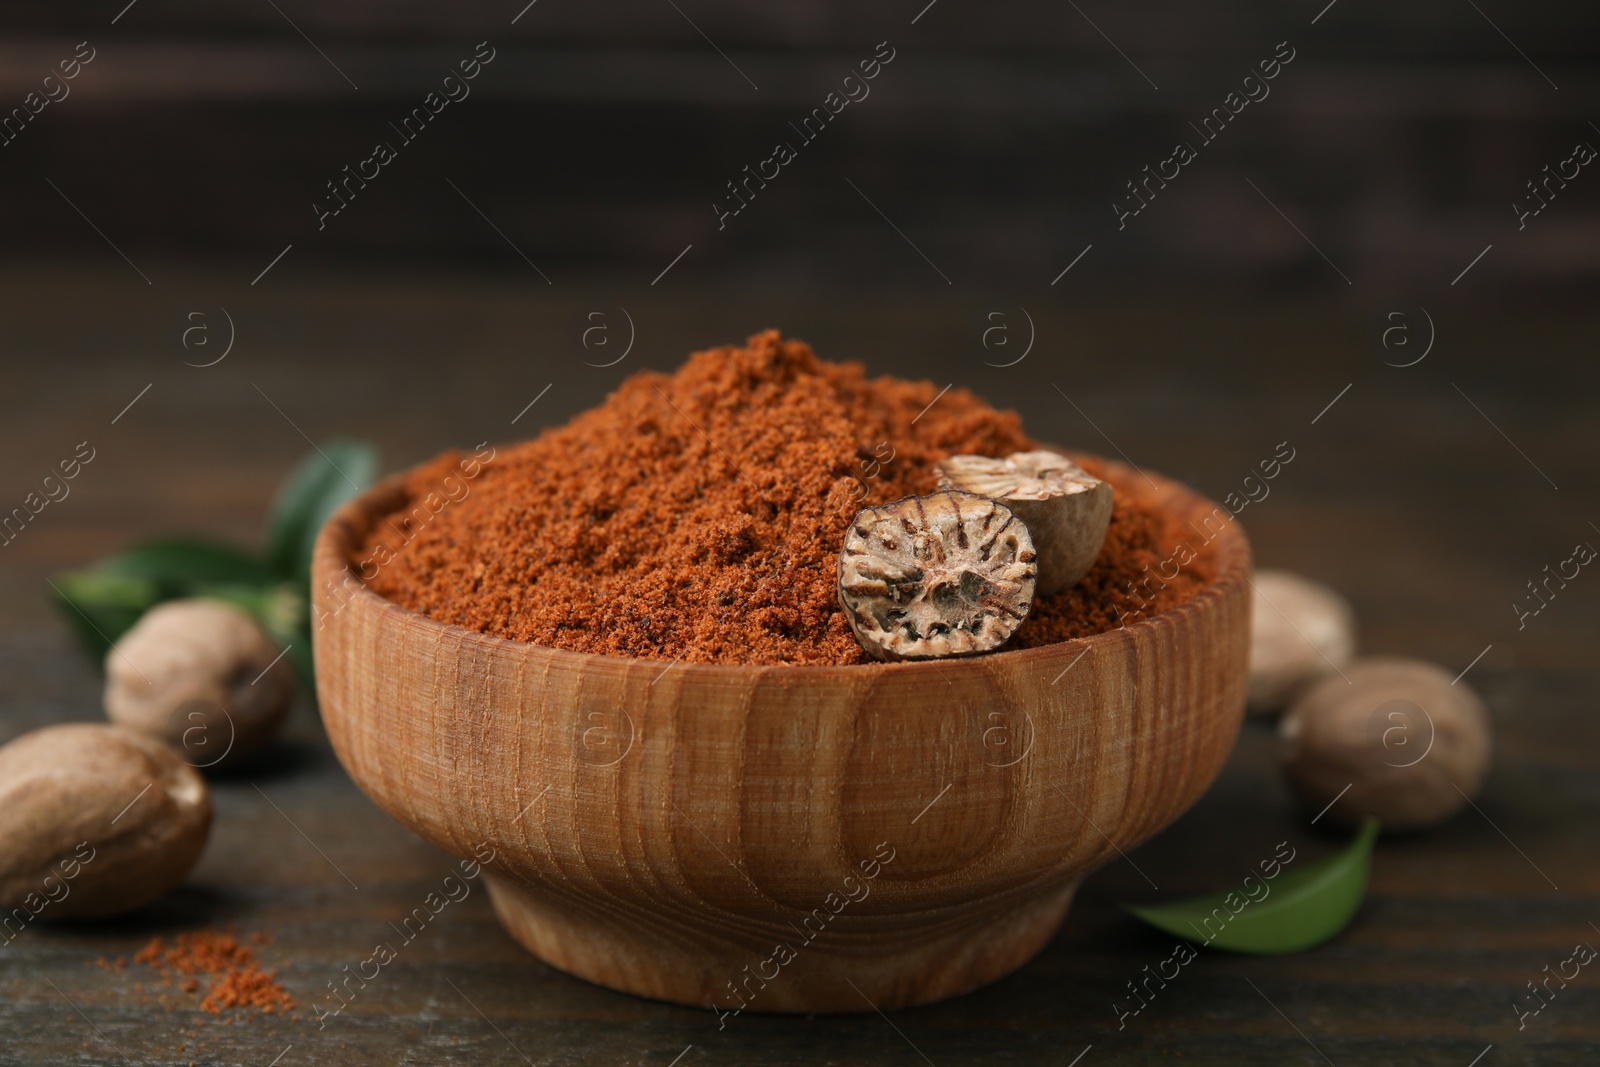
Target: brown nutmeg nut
(949,574)
(96,820)
(1067,510)
(1410,746)
(1301,631)
(204,676)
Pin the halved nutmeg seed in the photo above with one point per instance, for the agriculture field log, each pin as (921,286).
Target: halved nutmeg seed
(1065,508)
(950,574)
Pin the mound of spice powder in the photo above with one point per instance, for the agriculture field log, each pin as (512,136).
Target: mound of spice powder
(698,516)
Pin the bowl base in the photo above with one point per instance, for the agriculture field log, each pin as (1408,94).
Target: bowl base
(928,961)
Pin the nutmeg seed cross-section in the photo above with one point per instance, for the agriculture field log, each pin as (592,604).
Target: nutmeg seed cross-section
(948,574)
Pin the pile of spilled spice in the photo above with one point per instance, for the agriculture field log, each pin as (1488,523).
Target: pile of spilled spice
(237,980)
(699,516)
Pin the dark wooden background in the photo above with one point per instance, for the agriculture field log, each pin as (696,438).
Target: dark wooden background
(997,140)
(188,154)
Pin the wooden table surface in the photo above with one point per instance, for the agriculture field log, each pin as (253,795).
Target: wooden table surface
(1427,494)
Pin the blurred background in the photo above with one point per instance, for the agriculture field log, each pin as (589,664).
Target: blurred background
(997,140)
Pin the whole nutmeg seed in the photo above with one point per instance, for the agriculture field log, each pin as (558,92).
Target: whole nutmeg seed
(1300,631)
(1066,509)
(95,820)
(1410,746)
(203,675)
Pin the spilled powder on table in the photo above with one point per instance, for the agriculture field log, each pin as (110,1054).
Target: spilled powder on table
(233,977)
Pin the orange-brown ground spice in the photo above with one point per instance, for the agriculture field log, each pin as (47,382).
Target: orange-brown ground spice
(237,980)
(699,516)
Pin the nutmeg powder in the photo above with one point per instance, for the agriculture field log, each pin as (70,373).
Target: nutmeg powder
(698,516)
(237,980)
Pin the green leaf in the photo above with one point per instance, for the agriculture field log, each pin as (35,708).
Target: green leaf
(102,607)
(180,564)
(103,602)
(1303,908)
(322,481)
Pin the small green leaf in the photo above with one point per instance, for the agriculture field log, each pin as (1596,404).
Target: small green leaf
(322,481)
(1303,907)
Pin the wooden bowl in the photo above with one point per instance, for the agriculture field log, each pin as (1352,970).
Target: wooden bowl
(795,839)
